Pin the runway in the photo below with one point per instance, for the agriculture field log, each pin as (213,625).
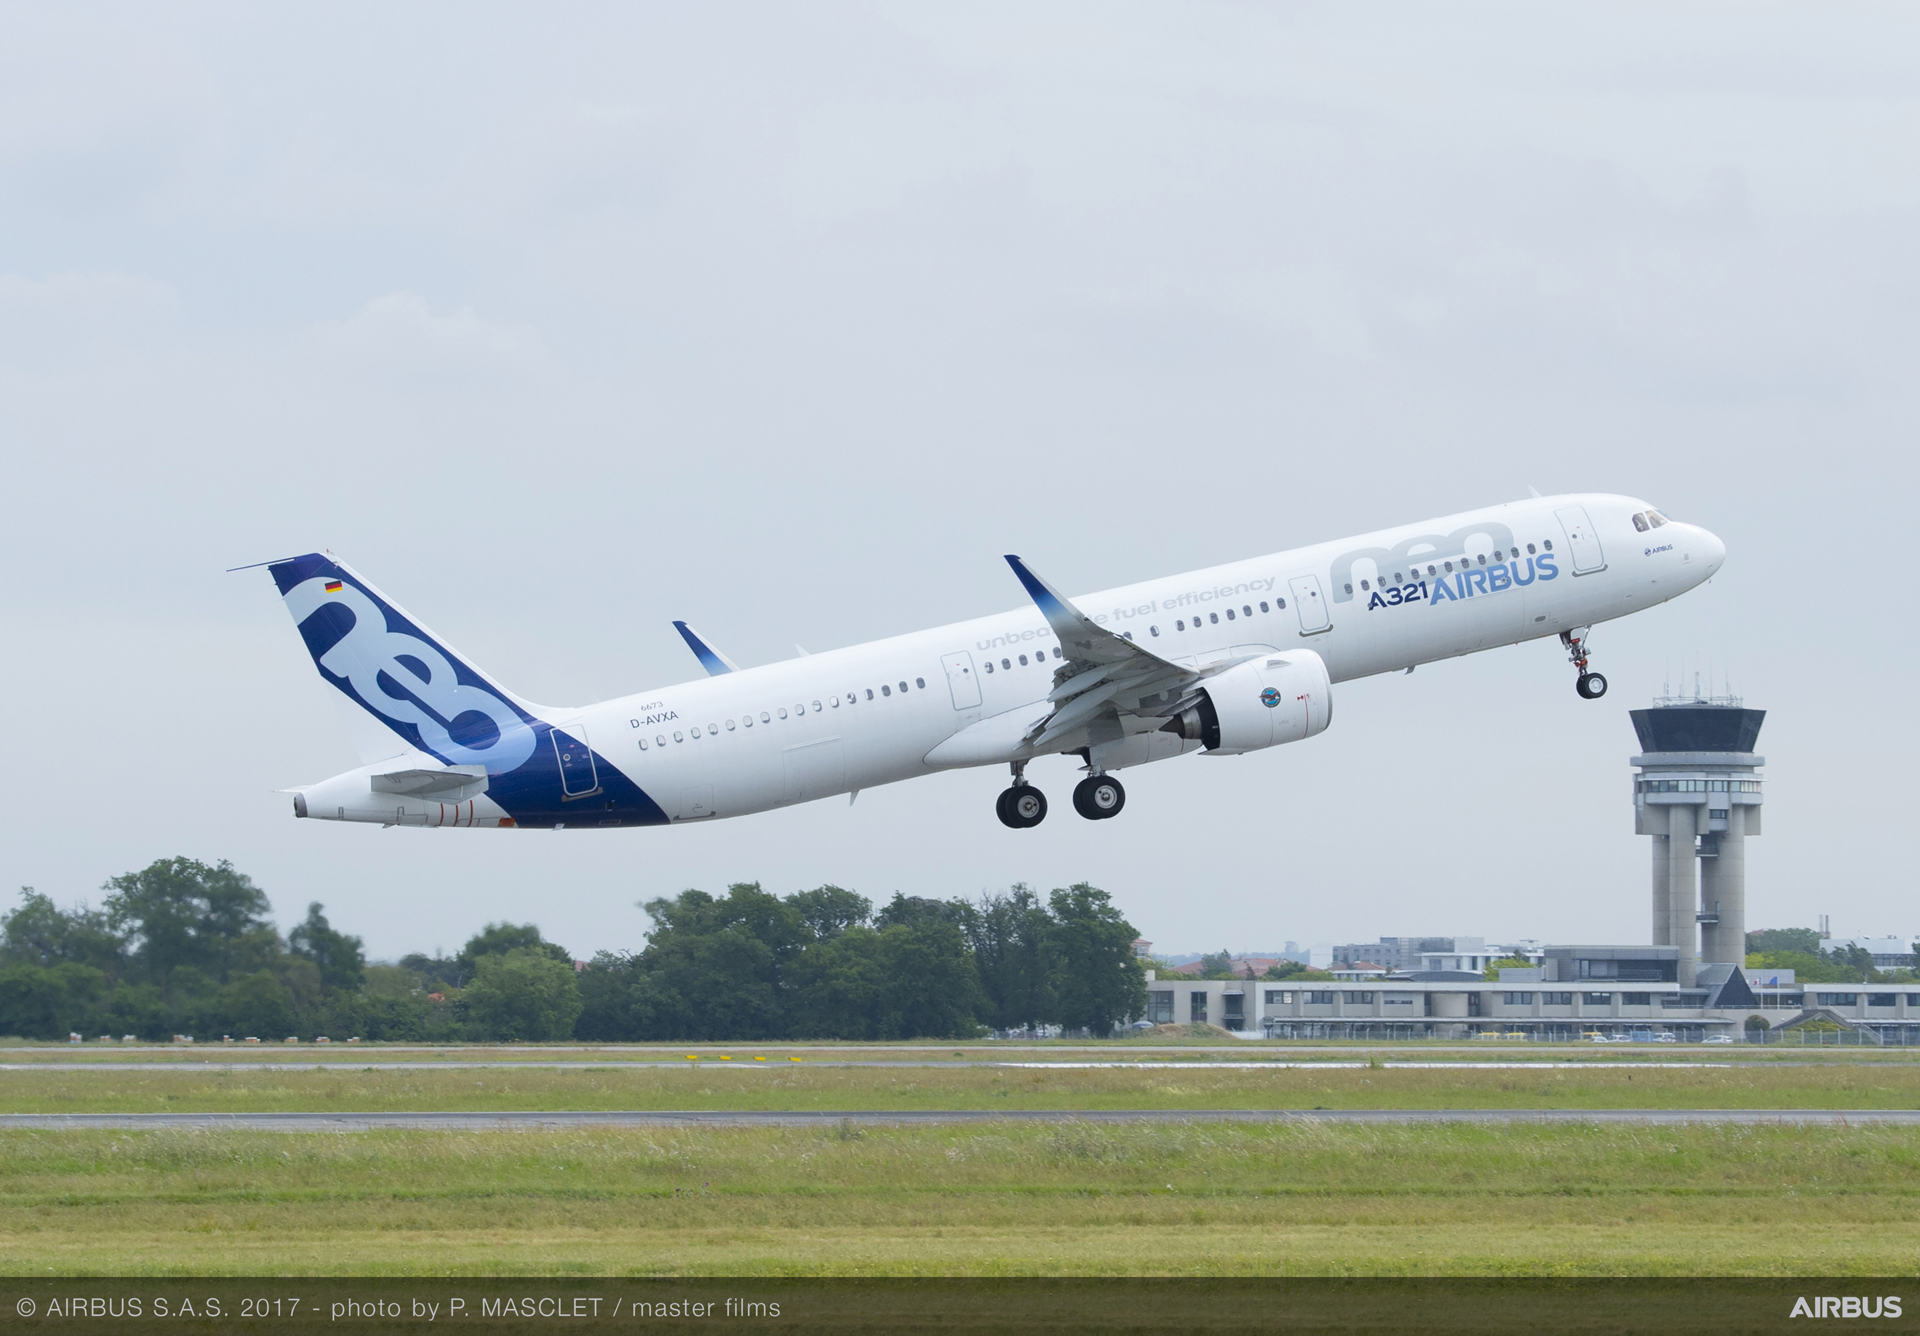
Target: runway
(788,1064)
(535,1122)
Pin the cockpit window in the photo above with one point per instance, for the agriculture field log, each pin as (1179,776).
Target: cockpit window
(1657,518)
(1640,523)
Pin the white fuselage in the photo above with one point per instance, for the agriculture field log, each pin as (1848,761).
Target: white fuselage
(889,710)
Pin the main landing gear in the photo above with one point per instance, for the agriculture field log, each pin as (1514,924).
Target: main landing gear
(1590,685)
(1098,797)
(1021,806)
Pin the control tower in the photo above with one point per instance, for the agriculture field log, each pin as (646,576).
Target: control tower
(1697,792)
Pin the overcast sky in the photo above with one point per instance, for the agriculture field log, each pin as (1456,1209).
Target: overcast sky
(560,323)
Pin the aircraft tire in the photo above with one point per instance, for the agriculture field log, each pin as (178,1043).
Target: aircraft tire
(1022,807)
(1098,797)
(1591,686)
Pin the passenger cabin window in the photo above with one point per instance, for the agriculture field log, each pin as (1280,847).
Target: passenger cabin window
(1004,663)
(1364,586)
(1180,624)
(1263,605)
(1547,543)
(1214,617)
(884,691)
(1245,611)
(989,669)
(1349,588)
(1229,614)
(1023,661)
(1449,568)
(1153,630)
(1529,549)
(1280,603)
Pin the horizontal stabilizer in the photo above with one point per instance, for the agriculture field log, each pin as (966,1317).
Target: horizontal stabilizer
(710,658)
(455,784)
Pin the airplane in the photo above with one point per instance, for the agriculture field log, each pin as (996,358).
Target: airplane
(1224,661)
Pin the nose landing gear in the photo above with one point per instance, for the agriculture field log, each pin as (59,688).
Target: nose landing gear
(1022,806)
(1590,685)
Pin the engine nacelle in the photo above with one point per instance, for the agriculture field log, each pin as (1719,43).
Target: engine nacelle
(1263,702)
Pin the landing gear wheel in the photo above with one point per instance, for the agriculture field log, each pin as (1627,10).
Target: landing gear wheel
(1098,797)
(1589,684)
(1021,807)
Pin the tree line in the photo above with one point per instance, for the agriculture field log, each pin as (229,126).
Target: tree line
(1798,949)
(187,948)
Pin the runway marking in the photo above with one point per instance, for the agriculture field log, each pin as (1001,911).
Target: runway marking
(514,1122)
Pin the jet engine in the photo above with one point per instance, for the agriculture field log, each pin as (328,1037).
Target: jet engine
(1263,702)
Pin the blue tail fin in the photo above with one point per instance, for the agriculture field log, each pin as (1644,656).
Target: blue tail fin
(400,672)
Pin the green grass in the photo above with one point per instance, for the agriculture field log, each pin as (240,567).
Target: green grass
(798,1087)
(1000,1199)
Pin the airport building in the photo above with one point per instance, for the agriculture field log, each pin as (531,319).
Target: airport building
(1697,794)
(1617,991)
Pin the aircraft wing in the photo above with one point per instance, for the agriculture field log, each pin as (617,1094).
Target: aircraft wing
(710,658)
(1108,686)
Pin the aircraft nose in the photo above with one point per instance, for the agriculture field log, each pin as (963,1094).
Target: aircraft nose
(1714,551)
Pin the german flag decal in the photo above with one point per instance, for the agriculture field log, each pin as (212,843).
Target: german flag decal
(333,586)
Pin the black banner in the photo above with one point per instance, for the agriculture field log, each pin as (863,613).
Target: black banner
(294,1307)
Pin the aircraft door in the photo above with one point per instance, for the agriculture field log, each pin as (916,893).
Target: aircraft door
(1310,605)
(1583,544)
(577,777)
(961,680)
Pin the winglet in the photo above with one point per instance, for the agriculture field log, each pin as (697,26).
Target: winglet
(1065,619)
(1083,638)
(710,658)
